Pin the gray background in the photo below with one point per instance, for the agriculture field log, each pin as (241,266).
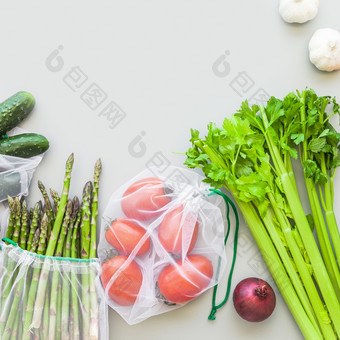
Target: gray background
(155,60)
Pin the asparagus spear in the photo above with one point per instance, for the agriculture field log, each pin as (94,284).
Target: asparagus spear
(8,262)
(75,335)
(66,320)
(35,280)
(46,316)
(39,304)
(84,254)
(56,200)
(10,274)
(64,229)
(20,330)
(55,311)
(31,215)
(58,319)
(14,331)
(47,207)
(14,307)
(44,193)
(24,225)
(16,232)
(34,224)
(27,288)
(41,251)
(11,221)
(94,214)
(85,224)
(43,235)
(10,265)
(35,242)
(94,322)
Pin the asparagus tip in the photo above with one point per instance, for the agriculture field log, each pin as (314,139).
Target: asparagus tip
(98,165)
(70,159)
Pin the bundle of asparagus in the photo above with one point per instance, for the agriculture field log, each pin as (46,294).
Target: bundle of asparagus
(52,301)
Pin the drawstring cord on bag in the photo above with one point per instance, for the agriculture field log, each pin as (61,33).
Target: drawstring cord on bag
(228,202)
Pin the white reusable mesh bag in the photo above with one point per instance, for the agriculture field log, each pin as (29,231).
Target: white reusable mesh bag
(161,243)
(47,297)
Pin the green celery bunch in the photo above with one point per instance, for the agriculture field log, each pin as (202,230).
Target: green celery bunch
(250,155)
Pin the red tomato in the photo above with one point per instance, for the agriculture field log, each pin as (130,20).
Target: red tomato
(184,281)
(144,199)
(176,231)
(125,288)
(124,235)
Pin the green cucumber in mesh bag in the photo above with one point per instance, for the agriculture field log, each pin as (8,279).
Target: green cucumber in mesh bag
(24,145)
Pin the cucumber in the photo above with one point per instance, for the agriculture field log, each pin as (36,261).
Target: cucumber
(15,109)
(25,145)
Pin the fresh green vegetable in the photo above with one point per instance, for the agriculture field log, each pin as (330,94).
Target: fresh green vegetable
(43,235)
(93,252)
(85,254)
(47,207)
(10,324)
(24,225)
(94,213)
(46,315)
(86,222)
(15,109)
(11,221)
(34,224)
(63,313)
(56,200)
(54,308)
(58,321)
(35,241)
(35,280)
(75,308)
(16,232)
(320,158)
(7,281)
(39,303)
(24,145)
(250,155)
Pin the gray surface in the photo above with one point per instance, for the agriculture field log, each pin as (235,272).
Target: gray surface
(155,59)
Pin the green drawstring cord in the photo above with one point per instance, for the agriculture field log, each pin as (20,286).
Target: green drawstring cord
(5,239)
(228,202)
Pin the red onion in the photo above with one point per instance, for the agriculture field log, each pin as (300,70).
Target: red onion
(254,299)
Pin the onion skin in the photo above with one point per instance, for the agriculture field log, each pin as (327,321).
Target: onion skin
(254,299)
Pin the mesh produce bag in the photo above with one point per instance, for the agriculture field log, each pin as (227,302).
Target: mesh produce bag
(161,243)
(50,297)
(16,173)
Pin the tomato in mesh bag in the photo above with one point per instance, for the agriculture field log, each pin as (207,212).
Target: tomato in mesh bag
(125,285)
(178,230)
(144,199)
(124,235)
(186,279)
